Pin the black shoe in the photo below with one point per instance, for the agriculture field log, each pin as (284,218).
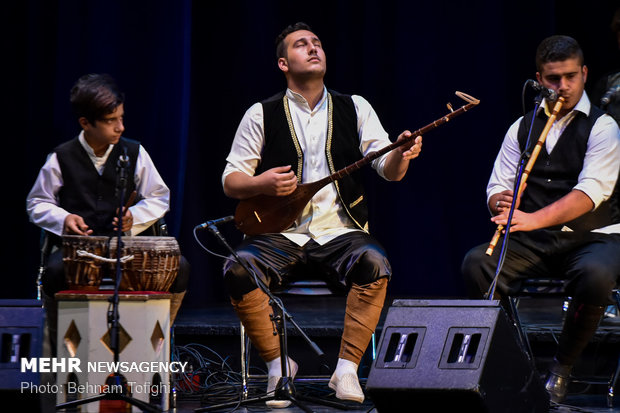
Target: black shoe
(557,382)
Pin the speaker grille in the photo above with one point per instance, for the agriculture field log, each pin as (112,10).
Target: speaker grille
(453,354)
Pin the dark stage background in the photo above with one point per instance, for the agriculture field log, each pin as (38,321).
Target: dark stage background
(190,69)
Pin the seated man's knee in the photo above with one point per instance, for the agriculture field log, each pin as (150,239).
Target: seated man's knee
(371,266)
(470,264)
(237,279)
(594,284)
(53,279)
(233,271)
(473,275)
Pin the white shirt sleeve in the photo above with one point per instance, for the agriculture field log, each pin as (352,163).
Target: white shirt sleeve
(505,167)
(245,152)
(42,202)
(154,195)
(602,161)
(372,135)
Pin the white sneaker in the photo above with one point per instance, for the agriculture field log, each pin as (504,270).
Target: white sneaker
(272,382)
(347,387)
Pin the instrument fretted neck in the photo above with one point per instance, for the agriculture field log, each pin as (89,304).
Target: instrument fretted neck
(268,214)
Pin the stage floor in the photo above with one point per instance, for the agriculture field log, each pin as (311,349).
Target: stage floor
(210,337)
(573,404)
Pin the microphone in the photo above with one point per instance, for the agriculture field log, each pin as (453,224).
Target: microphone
(544,92)
(215,222)
(607,97)
(123,159)
(122,169)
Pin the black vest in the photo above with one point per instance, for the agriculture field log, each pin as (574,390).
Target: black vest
(282,148)
(88,194)
(554,175)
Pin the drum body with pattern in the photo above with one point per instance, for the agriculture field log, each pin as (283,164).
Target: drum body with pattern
(155,262)
(148,263)
(82,272)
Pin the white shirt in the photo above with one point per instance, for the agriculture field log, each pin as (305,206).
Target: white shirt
(323,218)
(600,167)
(42,201)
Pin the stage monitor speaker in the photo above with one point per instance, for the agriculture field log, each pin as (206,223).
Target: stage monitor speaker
(21,334)
(453,355)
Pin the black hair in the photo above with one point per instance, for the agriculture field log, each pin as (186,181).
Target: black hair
(95,95)
(280,46)
(556,49)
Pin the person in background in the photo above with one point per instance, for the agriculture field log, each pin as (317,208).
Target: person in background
(606,91)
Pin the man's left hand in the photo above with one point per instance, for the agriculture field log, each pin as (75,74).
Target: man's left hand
(410,151)
(521,221)
(127,221)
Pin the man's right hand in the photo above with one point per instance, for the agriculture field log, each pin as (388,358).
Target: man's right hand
(75,225)
(278,181)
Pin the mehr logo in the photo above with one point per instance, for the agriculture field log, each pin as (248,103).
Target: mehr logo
(51,365)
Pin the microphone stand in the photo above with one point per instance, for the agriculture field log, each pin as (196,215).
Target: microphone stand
(525,156)
(115,380)
(285,390)
(491,295)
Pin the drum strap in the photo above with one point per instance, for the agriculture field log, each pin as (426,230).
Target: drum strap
(83,253)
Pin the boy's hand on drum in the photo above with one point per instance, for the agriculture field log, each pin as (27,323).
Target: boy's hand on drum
(127,221)
(75,225)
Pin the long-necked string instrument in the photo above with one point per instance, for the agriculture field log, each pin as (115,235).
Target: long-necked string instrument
(266,213)
(528,168)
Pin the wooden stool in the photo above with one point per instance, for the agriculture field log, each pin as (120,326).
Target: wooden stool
(144,341)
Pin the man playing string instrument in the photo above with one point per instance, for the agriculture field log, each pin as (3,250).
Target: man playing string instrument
(298,136)
(567,222)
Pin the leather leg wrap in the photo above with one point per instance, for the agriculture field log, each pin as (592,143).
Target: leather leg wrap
(254,310)
(580,324)
(364,305)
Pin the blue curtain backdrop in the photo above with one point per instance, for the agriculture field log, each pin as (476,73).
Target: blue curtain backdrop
(190,69)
